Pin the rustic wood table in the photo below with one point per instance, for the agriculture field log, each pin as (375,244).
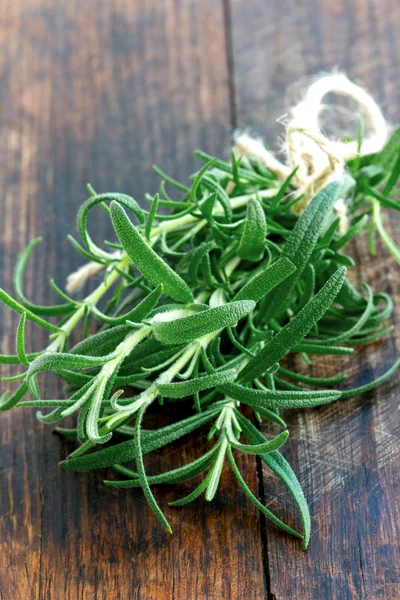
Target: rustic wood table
(98,91)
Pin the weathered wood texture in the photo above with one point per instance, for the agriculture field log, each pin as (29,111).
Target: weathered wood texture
(97,91)
(346,455)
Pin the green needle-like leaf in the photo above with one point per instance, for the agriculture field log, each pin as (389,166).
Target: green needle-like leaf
(8,400)
(52,361)
(300,244)
(199,384)
(199,177)
(142,473)
(295,330)
(255,500)
(252,242)
(150,218)
(390,244)
(221,195)
(18,275)
(265,281)
(278,464)
(371,384)
(184,473)
(321,349)
(318,381)
(279,399)
(145,259)
(186,329)
(195,494)
(20,343)
(85,208)
(264,448)
(215,471)
(138,313)
(151,441)
(4,297)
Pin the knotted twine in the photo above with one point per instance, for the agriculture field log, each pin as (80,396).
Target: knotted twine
(317,158)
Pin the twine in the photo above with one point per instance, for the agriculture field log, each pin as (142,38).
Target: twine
(318,159)
(77,279)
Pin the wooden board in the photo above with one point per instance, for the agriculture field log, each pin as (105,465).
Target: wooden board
(98,91)
(346,455)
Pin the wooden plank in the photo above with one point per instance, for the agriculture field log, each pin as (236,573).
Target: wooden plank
(345,455)
(99,91)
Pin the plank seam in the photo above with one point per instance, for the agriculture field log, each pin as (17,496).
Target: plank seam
(263,532)
(226,4)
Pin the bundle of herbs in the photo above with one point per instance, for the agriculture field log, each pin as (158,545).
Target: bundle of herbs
(197,308)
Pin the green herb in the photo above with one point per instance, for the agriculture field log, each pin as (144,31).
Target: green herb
(203,304)
(252,242)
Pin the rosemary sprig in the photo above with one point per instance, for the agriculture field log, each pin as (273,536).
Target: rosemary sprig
(206,303)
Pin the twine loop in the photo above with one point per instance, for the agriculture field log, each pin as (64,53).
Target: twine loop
(317,158)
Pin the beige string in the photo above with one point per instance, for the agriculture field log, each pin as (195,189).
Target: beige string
(77,279)
(317,158)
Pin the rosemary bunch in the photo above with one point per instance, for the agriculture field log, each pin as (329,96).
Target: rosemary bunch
(205,303)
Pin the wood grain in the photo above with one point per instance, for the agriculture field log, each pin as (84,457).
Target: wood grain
(98,91)
(346,455)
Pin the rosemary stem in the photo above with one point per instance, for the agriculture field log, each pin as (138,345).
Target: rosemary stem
(147,397)
(192,232)
(186,220)
(91,300)
(217,469)
(231,265)
(131,341)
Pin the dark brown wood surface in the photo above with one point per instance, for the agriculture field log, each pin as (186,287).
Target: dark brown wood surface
(98,91)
